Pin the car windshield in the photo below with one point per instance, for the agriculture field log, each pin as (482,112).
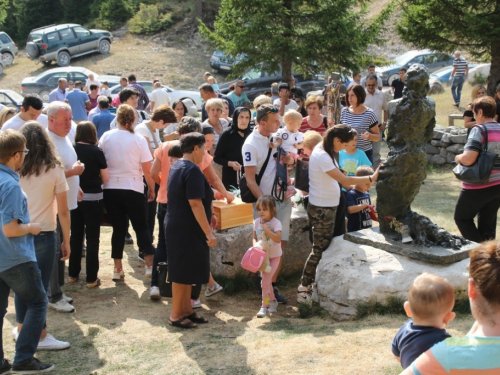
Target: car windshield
(14,95)
(405,57)
(35,38)
(251,74)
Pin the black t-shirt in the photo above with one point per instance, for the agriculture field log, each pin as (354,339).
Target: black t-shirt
(398,88)
(498,110)
(94,160)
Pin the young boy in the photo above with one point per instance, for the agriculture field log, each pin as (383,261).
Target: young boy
(291,140)
(358,200)
(18,267)
(351,158)
(429,307)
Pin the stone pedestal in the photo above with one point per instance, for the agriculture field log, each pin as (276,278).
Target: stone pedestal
(349,274)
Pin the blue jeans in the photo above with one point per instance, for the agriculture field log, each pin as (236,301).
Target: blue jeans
(456,87)
(45,250)
(26,282)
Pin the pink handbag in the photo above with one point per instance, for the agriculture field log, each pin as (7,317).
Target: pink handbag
(253,259)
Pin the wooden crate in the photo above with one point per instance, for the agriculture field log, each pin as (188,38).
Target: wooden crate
(234,214)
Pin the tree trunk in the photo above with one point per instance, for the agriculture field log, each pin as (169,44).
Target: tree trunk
(494,77)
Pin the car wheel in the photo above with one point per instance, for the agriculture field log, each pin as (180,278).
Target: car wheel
(392,78)
(8,59)
(47,63)
(63,58)
(44,95)
(104,46)
(32,50)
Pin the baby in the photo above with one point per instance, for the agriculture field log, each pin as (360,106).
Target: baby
(290,140)
(429,307)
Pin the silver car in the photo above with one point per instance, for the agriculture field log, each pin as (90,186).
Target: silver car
(8,48)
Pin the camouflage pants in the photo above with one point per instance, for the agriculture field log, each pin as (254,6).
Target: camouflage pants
(322,222)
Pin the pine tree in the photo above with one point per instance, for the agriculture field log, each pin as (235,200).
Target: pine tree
(326,34)
(36,13)
(448,25)
(114,13)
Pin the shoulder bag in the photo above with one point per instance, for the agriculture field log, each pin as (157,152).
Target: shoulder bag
(245,192)
(480,171)
(302,174)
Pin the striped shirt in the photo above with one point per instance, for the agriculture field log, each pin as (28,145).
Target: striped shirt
(460,63)
(475,143)
(362,122)
(470,355)
(305,126)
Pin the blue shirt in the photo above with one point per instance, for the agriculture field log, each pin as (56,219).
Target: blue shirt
(14,206)
(102,121)
(57,95)
(350,163)
(77,99)
(361,219)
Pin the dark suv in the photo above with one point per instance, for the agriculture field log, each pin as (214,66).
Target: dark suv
(61,43)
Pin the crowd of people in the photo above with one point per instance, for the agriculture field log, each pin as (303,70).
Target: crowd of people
(129,159)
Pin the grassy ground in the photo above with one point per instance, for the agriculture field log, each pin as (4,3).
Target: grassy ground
(117,330)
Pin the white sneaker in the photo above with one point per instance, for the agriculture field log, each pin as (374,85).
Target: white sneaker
(154,293)
(262,312)
(196,304)
(15,334)
(149,272)
(67,299)
(62,306)
(304,294)
(51,343)
(214,289)
(118,274)
(273,307)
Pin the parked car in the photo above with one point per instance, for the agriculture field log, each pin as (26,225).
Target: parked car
(478,71)
(431,59)
(11,98)
(8,48)
(1,64)
(61,43)
(221,63)
(444,74)
(45,82)
(257,81)
(174,94)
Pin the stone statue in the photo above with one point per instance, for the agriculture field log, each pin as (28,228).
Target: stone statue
(410,127)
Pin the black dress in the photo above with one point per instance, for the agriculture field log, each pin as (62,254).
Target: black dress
(186,243)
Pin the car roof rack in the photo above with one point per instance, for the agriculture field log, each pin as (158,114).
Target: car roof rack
(43,27)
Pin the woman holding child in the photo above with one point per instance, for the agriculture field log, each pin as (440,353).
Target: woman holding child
(324,196)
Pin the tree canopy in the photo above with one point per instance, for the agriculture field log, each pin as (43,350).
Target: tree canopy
(448,25)
(326,34)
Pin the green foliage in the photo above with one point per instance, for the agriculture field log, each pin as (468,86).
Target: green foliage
(447,25)
(78,11)
(151,19)
(4,6)
(393,306)
(239,283)
(113,13)
(36,13)
(311,309)
(480,79)
(327,34)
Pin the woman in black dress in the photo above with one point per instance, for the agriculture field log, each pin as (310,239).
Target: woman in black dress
(228,151)
(187,229)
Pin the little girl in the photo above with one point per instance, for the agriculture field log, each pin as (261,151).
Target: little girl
(214,84)
(270,226)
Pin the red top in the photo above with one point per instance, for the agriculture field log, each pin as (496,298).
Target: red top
(305,126)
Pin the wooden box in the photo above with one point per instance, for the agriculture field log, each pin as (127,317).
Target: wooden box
(234,214)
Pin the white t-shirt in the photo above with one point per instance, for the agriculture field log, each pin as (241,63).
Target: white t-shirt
(143,130)
(288,139)
(16,122)
(324,191)
(171,128)
(41,191)
(88,82)
(65,149)
(254,151)
(377,103)
(292,105)
(125,152)
(363,82)
(160,97)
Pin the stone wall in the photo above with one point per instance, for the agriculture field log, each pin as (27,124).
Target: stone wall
(447,142)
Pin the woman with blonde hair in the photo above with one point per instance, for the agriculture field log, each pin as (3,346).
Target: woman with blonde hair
(6,114)
(214,108)
(478,91)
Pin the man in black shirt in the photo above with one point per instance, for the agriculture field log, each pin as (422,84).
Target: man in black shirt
(398,84)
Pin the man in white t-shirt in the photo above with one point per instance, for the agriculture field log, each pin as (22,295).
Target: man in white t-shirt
(91,81)
(158,97)
(284,103)
(59,115)
(31,109)
(376,100)
(371,70)
(255,152)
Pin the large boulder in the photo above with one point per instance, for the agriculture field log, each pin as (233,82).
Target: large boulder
(436,87)
(349,274)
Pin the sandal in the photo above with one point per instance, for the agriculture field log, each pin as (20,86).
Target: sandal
(197,318)
(178,323)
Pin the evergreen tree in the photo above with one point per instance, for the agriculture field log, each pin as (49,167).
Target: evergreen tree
(78,11)
(448,25)
(327,34)
(36,13)
(114,13)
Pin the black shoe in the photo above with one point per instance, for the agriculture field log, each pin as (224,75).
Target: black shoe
(31,366)
(5,368)
(278,296)
(129,240)
(140,256)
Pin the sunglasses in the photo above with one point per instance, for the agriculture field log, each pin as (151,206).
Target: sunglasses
(270,110)
(23,151)
(241,87)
